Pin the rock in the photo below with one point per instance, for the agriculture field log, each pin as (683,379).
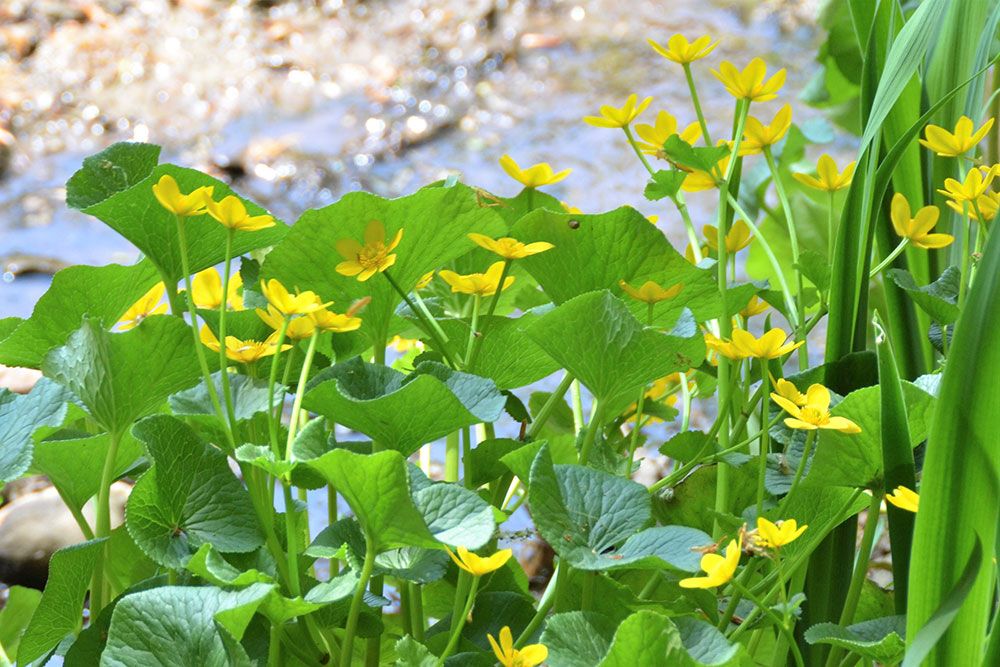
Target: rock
(18,380)
(36,525)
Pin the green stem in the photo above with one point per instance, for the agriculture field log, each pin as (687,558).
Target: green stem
(292,540)
(472,346)
(227,392)
(300,391)
(830,225)
(889,258)
(544,606)
(456,628)
(685,403)
(431,326)
(635,147)
(782,627)
(692,233)
(451,457)
(576,401)
(554,399)
(103,525)
(697,104)
(272,420)
(634,436)
(596,417)
(806,451)
(765,437)
(860,572)
(347,649)
(416,610)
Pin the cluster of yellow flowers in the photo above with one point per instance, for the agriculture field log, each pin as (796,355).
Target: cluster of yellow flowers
(230,212)
(720,569)
(744,345)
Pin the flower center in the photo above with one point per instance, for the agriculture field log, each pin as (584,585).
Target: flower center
(371,256)
(814,416)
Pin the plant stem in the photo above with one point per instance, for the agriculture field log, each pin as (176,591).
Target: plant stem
(471,346)
(889,258)
(692,233)
(782,627)
(765,436)
(456,628)
(272,420)
(596,417)
(577,406)
(103,525)
(697,104)
(347,649)
(830,224)
(631,142)
(451,457)
(860,572)
(300,391)
(433,330)
(544,606)
(806,451)
(227,392)
(549,406)
(292,540)
(417,610)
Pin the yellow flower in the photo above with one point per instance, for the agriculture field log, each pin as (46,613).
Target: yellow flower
(827,177)
(508,656)
(290,304)
(327,320)
(737,238)
(231,213)
(682,52)
(364,261)
(815,413)
(169,195)
(725,348)
(477,566)
(975,186)
(570,209)
(298,327)
(775,536)
(424,281)
(770,345)
(653,219)
(654,136)
(904,499)
(988,204)
(917,228)
(206,290)
(749,84)
(948,144)
(650,292)
(790,392)
(509,248)
(405,344)
(719,569)
(619,116)
(483,284)
(663,390)
(148,304)
(243,351)
(697,180)
(689,253)
(758,136)
(755,306)
(534,176)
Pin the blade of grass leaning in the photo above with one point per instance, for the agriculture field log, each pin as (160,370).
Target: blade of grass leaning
(897,462)
(961,477)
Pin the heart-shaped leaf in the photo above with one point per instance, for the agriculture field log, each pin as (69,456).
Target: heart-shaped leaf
(22,416)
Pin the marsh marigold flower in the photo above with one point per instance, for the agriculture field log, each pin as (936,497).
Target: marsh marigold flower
(959,142)
(904,498)
(619,116)
(749,84)
(987,204)
(477,566)
(977,183)
(242,351)
(650,292)
(681,51)
(917,228)
(770,345)
(375,256)
(508,656)
(534,176)
(827,177)
(206,290)
(289,304)
(737,238)
(815,414)
(755,306)
(327,320)
(481,284)
(665,126)
(232,214)
(776,535)
(723,347)
(509,248)
(424,281)
(298,328)
(789,392)
(170,197)
(757,136)
(718,569)
(148,304)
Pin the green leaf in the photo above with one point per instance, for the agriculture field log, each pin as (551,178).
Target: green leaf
(561,450)
(377,488)
(454,515)
(116,168)
(103,293)
(644,638)
(121,377)
(181,626)
(189,497)
(686,446)
(664,183)
(15,615)
(435,223)
(399,411)
(816,268)
(74,465)
(249,397)
(855,460)
(880,640)
(703,158)
(591,519)
(577,638)
(939,299)
(60,610)
(411,653)
(596,338)
(596,252)
(705,644)
(506,355)
(136,214)
(21,416)
(483,463)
